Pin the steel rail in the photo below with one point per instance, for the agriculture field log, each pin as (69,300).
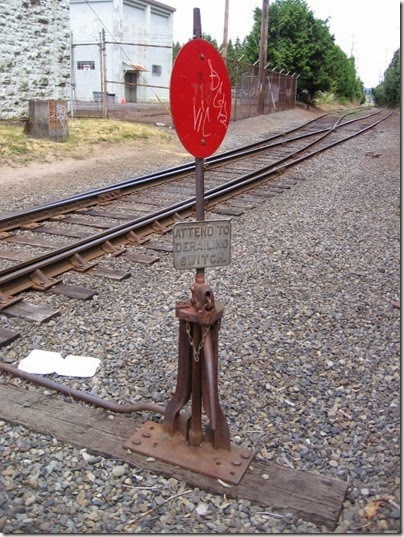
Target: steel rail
(145,406)
(67,204)
(52,260)
(111,233)
(247,180)
(221,157)
(126,408)
(145,179)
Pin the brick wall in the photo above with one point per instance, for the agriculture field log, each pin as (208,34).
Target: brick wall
(34,54)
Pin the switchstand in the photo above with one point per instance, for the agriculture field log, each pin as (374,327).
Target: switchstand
(200,99)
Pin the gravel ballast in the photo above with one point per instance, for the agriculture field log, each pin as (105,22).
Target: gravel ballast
(309,352)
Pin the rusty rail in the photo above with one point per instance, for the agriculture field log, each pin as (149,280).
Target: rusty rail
(82,396)
(18,278)
(174,172)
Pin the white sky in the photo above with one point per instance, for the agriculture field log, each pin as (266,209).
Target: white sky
(371,29)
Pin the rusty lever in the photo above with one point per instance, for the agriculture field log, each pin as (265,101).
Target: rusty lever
(198,369)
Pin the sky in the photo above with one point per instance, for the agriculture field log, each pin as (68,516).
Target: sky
(370,30)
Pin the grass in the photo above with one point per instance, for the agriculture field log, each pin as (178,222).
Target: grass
(84,134)
(330,99)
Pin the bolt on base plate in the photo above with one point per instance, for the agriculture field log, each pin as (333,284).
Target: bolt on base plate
(151,440)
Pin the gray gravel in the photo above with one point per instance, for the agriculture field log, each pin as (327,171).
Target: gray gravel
(309,327)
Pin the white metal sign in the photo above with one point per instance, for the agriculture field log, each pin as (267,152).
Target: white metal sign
(201,244)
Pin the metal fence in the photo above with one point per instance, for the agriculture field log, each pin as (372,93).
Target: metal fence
(123,80)
(258,91)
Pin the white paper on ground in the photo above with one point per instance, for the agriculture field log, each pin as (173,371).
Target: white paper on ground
(40,362)
(77,366)
(47,362)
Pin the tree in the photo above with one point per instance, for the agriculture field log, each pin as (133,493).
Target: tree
(388,92)
(177,46)
(342,72)
(236,51)
(209,39)
(300,43)
(176,49)
(235,62)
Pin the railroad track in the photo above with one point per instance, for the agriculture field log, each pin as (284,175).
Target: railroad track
(40,244)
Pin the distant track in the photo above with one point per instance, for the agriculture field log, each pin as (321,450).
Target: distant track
(81,228)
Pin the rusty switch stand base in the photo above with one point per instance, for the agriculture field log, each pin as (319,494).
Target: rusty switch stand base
(152,440)
(181,439)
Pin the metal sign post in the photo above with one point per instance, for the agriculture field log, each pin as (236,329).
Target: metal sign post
(200,205)
(200,99)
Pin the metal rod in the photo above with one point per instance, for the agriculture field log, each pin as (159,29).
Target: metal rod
(196,435)
(211,380)
(200,204)
(200,188)
(197,30)
(83,396)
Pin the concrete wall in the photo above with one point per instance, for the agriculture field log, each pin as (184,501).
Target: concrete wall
(34,54)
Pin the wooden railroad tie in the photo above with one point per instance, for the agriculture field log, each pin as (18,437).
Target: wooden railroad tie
(312,497)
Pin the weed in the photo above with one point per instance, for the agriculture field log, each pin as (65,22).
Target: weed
(84,134)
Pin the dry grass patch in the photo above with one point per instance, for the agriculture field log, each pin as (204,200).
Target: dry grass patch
(85,134)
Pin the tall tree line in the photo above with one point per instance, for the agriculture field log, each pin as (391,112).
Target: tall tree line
(302,44)
(388,92)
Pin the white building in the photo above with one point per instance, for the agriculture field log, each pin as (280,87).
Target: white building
(136,59)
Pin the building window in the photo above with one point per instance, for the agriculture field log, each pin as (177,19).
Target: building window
(156,70)
(86,66)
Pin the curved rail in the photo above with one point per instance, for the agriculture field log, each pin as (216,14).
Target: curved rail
(220,158)
(17,278)
(188,168)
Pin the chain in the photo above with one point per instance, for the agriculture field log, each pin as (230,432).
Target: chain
(197,351)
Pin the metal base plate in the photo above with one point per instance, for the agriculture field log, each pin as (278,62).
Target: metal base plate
(150,439)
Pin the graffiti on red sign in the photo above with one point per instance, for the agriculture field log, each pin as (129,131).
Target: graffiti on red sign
(202,111)
(200,97)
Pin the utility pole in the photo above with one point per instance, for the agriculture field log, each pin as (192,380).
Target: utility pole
(104,96)
(226,29)
(353,45)
(263,55)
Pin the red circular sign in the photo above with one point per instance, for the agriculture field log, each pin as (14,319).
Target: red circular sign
(200,98)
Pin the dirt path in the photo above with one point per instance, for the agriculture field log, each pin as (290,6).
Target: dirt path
(106,157)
